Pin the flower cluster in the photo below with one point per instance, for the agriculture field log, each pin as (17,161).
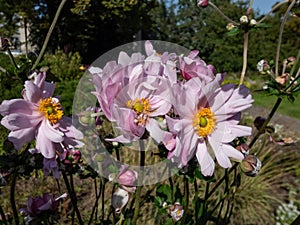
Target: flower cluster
(200,114)
(39,116)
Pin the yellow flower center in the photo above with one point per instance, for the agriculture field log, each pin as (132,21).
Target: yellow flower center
(142,109)
(204,122)
(52,109)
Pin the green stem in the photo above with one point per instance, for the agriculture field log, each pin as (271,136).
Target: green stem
(280,35)
(245,57)
(186,200)
(139,188)
(49,34)
(72,196)
(262,129)
(12,198)
(222,14)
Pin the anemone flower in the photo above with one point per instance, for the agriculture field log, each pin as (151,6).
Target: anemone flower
(38,116)
(136,107)
(208,122)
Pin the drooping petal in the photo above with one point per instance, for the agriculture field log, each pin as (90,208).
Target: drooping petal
(21,137)
(206,162)
(17,121)
(48,131)
(218,150)
(17,106)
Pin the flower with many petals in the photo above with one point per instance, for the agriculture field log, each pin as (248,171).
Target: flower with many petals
(208,122)
(39,116)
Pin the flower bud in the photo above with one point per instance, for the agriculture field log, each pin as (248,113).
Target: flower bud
(259,121)
(263,66)
(72,156)
(127,177)
(253,22)
(176,211)
(244,20)
(230,26)
(119,199)
(243,148)
(203,3)
(251,165)
(4,43)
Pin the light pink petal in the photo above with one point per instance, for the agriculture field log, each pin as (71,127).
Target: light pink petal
(17,106)
(21,137)
(218,150)
(17,121)
(45,146)
(123,59)
(149,48)
(50,133)
(206,162)
(32,92)
(155,131)
(232,152)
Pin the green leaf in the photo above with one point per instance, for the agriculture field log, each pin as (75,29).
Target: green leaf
(164,191)
(233,32)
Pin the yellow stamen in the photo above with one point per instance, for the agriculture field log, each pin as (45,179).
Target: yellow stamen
(142,109)
(204,122)
(52,109)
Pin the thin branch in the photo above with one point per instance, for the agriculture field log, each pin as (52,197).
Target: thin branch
(49,34)
(280,35)
(222,14)
(272,10)
(245,57)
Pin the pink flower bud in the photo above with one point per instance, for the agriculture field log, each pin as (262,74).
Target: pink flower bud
(127,177)
(203,3)
(119,199)
(251,165)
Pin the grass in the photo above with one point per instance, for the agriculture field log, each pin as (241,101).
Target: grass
(286,107)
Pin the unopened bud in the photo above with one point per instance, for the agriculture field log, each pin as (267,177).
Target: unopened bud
(243,148)
(291,61)
(263,66)
(259,121)
(244,20)
(203,3)
(251,165)
(4,43)
(253,22)
(230,26)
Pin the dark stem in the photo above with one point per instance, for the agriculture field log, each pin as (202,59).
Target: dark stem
(98,195)
(296,221)
(186,200)
(139,188)
(73,198)
(262,129)
(12,198)
(49,34)
(12,59)
(3,216)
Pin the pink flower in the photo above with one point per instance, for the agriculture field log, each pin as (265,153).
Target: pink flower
(192,66)
(136,107)
(39,116)
(127,177)
(209,116)
(38,205)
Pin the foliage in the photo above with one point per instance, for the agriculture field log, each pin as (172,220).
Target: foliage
(64,66)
